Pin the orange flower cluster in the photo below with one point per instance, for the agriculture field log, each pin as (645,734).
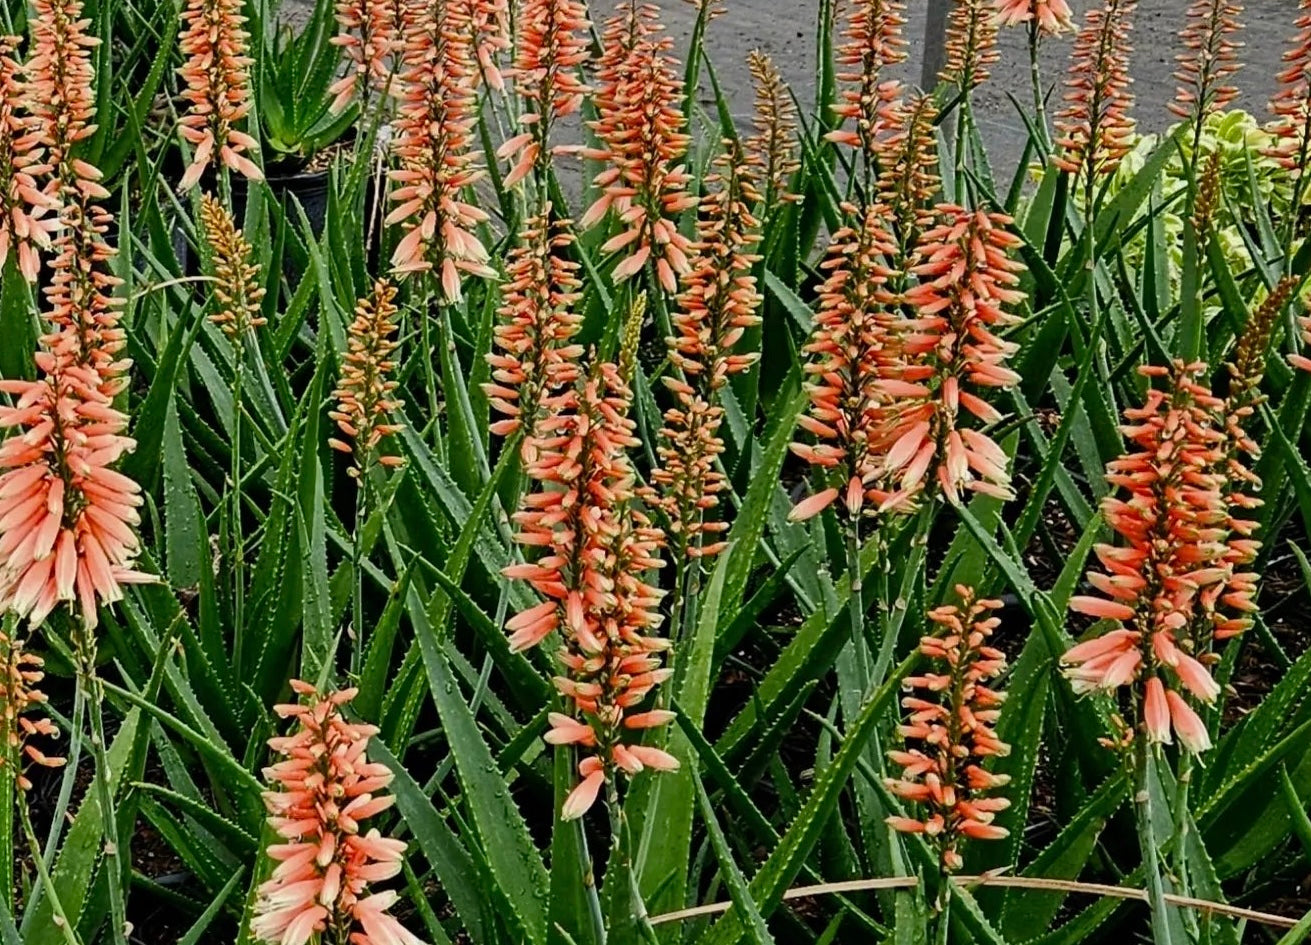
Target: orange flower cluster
(489,36)
(595,549)
(640,130)
(1210,59)
(20,696)
(324,789)
(774,145)
(971,43)
(952,714)
(1292,103)
(365,391)
(23,204)
(1052,16)
(553,46)
(369,33)
(1095,129)
(214,42)
(432,144)
(718,306)
(967,279)
(1165,584)
(852,355)
(236,288)
(536,357)
(908,174)
(872,45)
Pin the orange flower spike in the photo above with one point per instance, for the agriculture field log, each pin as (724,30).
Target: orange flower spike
(774,144)
(237,289)
(322,792)
(1159,584)
(908,174)
(535,357)
(369,35)
(365,392)
(641,131)
(971,45)
(1209,60)
(1292,103)
(489,36)
(1052,16)
(851,354)
(214,43)
(553,46)
(21,697)
(25,228)
(872,44)
(951,355)
(952,717)
(432,146)
(1095,129)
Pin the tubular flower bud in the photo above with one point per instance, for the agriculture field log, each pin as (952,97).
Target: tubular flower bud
(1052,16)
(25,227)
(22,698)
(323,791)
(1160,585)
(774,144)
(432,145)
(489,36)
(216,73)
(642,138)
(951,735)
(595,548)
(364,394)
(236,288)
(1095,130)
(552,47)
(535,356)
(718,306)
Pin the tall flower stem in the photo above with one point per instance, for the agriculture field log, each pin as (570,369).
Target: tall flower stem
(357,571)
(238,538)
(43,873)
(1035,78)
(89,681)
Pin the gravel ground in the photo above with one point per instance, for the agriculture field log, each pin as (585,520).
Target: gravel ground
(785,29)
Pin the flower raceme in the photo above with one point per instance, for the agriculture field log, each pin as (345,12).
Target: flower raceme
(489,36)
(1053,17)
(971,43)
(216,73)
(237,289)
(1095,129)
(369,35)
(642,140)
(595,549)
(774,144)
(324,789)
(21,696)
(951,732)
(25,227)
(1209,59)
(1160,585)
(535,356)
(1292,103)
(908,173)
(552,46)
(872,45)
(365,392)
(432,146)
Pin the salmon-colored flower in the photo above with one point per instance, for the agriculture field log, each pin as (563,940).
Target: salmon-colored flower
(1209,60)
(1095,129)
(908,181)
(25,227)
(1161,584)
(324,789)
(1292,103)
(552,48)
(365,393)
(535,356)
(432,147)
(952,714)
(716,309)
(872,45)
(21,697)
(851,354)
(216,73)
(489,36)
(1052,16)
(642,140)
(595,550)
(951,356)
(774,144)
(237,289)
(971,45)
(369,33)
